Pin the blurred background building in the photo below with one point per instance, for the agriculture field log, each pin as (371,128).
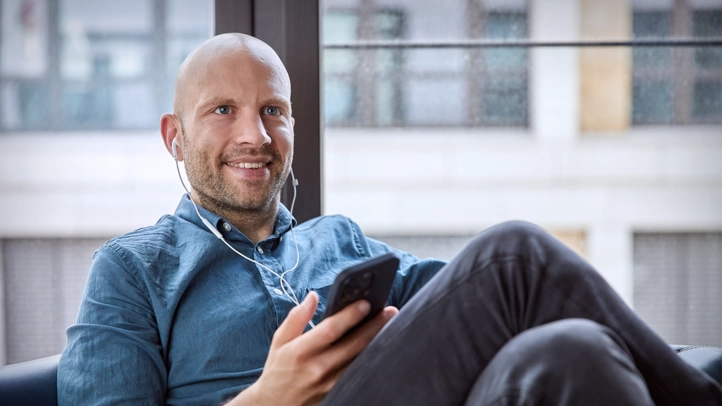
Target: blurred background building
(616,150)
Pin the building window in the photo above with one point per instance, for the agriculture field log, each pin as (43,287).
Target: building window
(677,85)
(43,282)
(362,87)
(678,285)
(90,65)
(407,87)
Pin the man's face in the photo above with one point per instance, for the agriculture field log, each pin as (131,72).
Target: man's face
(238,134)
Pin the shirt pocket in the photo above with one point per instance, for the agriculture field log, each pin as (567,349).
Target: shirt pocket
(322,299)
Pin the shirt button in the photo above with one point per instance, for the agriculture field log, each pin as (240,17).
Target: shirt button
(259,249)
(278,291)
(226,226)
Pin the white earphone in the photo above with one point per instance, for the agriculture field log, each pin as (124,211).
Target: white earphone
(174,147)
(281,277)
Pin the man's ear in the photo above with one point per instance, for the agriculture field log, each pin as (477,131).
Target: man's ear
(170,131)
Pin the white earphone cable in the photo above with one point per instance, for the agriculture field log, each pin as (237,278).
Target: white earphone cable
(281,277)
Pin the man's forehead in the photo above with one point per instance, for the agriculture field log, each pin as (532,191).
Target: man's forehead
(238,62)
(229,77)
(229,60)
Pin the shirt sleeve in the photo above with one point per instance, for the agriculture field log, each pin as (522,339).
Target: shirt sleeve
(413,272)
(114,354)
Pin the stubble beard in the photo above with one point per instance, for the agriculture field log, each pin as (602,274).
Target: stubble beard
(215,192)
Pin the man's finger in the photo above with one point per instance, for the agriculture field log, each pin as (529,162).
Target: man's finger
(296,321)
(334,327)
(346,349)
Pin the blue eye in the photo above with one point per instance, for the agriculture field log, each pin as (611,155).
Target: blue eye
(272,111)
(223,110)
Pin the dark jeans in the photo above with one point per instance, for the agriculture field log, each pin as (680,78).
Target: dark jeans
(518,318)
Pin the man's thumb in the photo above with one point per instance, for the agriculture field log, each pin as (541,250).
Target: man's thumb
(296,320)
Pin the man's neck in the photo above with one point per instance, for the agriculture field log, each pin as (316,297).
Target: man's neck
(256,225)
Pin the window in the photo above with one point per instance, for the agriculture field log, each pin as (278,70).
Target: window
(89,65)
(678,285)
(423,87)
(43,283)
(363,87)
(677,85)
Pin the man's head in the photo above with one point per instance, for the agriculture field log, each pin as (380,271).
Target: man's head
(232,124)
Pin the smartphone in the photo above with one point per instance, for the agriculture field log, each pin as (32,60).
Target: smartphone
(370,280)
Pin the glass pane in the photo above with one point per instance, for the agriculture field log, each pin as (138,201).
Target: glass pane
(339,106)
(411,87)
(24,36)
(708,100)
(651,25)
(505,102)
(188,23)
(653,102)
(102,43)
(669,83)
(25,104)
(24,64)
(108,65)
(708,24)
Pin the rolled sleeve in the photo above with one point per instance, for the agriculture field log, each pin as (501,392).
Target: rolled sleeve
(114,354)
(412,275)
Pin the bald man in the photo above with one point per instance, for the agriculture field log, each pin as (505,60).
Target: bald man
(213,304)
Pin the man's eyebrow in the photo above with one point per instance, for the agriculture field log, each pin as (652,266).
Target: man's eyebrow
(280,101)
(215,101)
(220,101)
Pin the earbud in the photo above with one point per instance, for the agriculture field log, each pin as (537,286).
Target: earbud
(294,181)
(174,147)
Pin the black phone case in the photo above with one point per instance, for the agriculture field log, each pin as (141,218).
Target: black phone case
(370,280)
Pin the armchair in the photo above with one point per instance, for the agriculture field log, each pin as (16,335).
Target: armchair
(34,382)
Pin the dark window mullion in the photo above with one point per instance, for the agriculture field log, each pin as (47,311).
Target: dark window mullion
(54,83)
(475,21)
(158,46)
(366,67)
(682,60)
(3,84)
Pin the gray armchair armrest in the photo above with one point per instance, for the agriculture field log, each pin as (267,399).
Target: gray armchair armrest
(706,358)
(30,383)
(34,382)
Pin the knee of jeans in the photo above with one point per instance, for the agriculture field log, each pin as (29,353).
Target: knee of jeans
(511,238)
(513,230)
(566,343)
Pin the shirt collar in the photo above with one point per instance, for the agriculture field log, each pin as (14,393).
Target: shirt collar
(186,211)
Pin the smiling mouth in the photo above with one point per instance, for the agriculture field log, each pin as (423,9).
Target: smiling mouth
(247,165)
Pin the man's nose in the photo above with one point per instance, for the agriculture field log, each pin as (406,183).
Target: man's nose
(250,131)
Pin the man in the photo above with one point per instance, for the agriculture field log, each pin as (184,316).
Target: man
(210,305)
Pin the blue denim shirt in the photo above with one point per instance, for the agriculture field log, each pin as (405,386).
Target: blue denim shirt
(171,315)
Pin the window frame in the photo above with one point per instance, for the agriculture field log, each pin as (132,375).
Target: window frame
(297,41)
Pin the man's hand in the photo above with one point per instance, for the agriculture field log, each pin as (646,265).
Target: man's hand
(302,368)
